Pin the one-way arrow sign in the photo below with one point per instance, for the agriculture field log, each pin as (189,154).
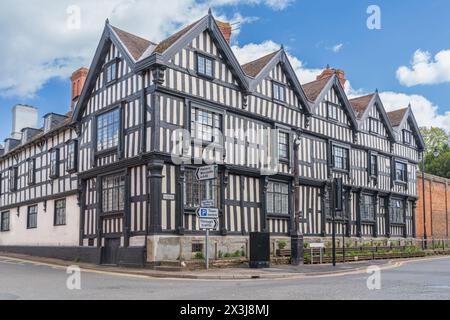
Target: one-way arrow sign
(206,173)
(208,224)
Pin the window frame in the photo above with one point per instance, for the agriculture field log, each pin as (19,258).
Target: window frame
(281,87)
(333,157)
(371,157)
(31,171)
(287,144)
(194,124)
(114,62)
(13,178)
(117,145)
(368,210)
(54,164)
(271,194)
(190,179)
(375,121)
(405,181)
(407,133)
(29,214)
(2,218)
(57,222)
(71,168)
(121,205)
(336,107)
(393,212)
(199,56)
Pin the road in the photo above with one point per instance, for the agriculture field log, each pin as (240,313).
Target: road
(428,279)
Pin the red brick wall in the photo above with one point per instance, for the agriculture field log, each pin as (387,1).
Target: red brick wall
(437,207)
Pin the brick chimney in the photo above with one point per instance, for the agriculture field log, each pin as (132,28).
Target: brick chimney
(78,79)
(328,72)
(226,29)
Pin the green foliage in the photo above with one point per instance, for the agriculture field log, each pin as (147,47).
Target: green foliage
(199,256)
(282,244)
(440,165)
(436,139)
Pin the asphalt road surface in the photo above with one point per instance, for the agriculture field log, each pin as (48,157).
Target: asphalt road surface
(428,279)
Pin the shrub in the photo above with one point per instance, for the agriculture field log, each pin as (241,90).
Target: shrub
(282,244)
(199,256)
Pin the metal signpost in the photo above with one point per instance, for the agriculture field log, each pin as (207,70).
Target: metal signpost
(337,207)
(207,214)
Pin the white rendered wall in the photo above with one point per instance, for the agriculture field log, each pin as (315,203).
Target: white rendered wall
(46,233)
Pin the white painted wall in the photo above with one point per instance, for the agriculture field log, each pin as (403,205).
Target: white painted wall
(46,234)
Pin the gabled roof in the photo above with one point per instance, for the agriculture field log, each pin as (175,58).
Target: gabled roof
(253,68)
(170,46)
(318,90)
(168,42)
(260,68)
(363,105)
(315,88)
(398,118)
(135,45)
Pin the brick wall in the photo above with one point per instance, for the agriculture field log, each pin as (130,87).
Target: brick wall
(437,207)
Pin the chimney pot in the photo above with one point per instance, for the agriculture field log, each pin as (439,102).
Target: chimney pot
(78,79)
(226,29)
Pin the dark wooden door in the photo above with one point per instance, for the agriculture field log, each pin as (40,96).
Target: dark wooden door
(110,251)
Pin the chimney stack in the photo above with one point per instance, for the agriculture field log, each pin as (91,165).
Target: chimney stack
(23,116)
(226,29)
(328,72)
(78,79)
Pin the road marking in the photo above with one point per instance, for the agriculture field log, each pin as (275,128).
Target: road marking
(392,264)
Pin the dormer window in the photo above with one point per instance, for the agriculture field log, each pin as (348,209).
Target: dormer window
(279,91)
(54,163)
(110,72)
(205,66)
(406,137)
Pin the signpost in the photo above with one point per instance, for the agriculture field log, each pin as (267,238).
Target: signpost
(207,214)
(206,173)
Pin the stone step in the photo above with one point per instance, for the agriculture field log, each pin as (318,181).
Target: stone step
(168,268)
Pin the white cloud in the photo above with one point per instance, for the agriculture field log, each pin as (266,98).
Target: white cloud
(425,69)
(426,112)
(40,46)
(253,51)
(337,48)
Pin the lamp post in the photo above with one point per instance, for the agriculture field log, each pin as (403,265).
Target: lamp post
(296,233)
(424,244)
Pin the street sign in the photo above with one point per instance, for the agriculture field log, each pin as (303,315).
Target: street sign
(208,213)
(208,203)
(316,245)
(206,173)
(208,224)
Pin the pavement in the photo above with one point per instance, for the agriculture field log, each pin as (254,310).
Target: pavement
(427,279)
(237,273)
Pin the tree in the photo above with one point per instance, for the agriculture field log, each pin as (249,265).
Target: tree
(440,165)
(436,139)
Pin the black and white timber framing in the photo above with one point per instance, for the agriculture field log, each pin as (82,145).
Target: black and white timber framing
(154,93)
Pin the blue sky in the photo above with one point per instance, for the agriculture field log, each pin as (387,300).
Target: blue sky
(308,29)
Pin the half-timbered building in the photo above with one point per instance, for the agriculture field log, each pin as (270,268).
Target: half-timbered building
(149,114)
